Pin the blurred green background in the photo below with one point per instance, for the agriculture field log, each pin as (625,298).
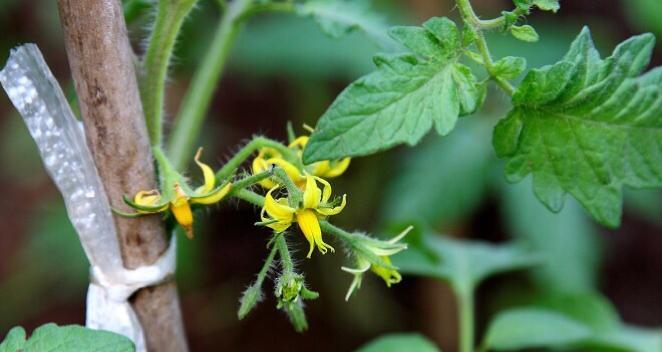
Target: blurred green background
(283,68)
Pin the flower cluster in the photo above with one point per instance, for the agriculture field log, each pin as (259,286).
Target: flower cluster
(176,196)
(316,204)
(293,193)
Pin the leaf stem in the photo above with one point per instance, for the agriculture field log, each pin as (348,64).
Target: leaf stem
(479,26)
(198,97)
(169,18)
(465,301)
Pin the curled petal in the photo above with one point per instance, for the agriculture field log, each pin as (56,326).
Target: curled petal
(291,170)
(390,276)
(310,227)
(299,143)
(330,169)
(207,173)
(326,190)
(277,225)
(278,209)
(312,194)
(334,210)
(214,196)
(147,202)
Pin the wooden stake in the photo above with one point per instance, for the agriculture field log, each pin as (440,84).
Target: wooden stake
(102,65)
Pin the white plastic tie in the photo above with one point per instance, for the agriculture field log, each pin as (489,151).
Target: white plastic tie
(37,96)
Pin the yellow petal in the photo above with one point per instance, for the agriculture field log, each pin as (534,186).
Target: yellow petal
(276,225)
(214,196)
(334,210)
(207,173)
(336,168)
(310,227)
(299,143)
(291,170)
(278,209)
(260,165)
(326,193)
(148,202)
(182,211)
(148,198)
(390,276)
(312,194)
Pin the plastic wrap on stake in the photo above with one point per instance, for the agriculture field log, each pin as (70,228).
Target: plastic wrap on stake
(61,142)
(37,96)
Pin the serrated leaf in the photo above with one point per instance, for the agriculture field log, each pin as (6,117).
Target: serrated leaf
(399,343)
(587,126)
(533,328)
(524,33)
(463,264)
(339,17)
(509,67)
(403,99)
(70,338)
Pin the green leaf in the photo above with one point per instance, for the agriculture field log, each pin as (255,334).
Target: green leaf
(588,322)
(545,5)
(463,264)
(533,328)
(399,343)
(403,99)
(524,33)
(509,67)
(340,17)
(14,341)
(73,338)
(568,240)
(587,126)
(460,162)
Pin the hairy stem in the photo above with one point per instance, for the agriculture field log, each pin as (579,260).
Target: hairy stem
(198,97)
(169,19)
(256,143)
(479,26)
(285,257)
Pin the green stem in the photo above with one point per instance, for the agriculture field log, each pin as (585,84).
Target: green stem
(197,99)
(295,195)
(256,143)
(265,268)
(285,257)
(328,227)
(169,19)
(479,26)
(249,181)
(250,197)
(466,317)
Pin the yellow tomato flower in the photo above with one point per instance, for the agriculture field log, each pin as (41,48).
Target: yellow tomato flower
(325,168)
(178,197)
(266,158)
(315,206)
